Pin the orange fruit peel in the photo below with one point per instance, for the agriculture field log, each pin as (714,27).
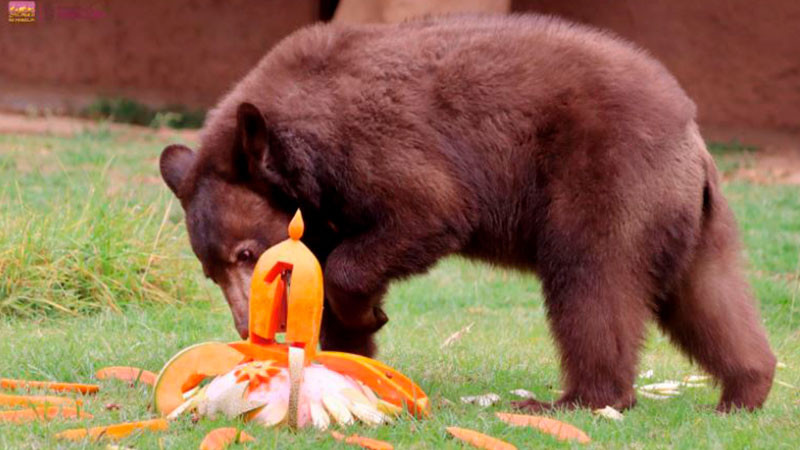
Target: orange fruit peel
(286,296)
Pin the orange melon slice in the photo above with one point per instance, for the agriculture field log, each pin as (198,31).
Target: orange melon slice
(480,440)
(57,386)
(38,400)
(362,441)
(561,430)
(221,438)
(188,368)
(124,373)
(42,413)
(389,384)
(257,352)
(114,432)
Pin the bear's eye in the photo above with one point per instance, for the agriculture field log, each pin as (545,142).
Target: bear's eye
(244,256)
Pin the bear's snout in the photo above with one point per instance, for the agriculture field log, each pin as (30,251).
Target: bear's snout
(236,289)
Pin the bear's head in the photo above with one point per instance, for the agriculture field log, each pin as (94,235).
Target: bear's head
(232,213)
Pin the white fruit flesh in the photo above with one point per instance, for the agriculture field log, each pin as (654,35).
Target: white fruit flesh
(167,392)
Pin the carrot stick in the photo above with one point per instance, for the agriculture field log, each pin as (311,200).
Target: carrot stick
(38,400)
(561,430)
(125,373)
(7,383)
(480,440)
(41,413)
(115,431)
(221,438)
(365,442)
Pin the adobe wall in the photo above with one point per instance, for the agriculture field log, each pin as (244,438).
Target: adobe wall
(156,51)
(739,60)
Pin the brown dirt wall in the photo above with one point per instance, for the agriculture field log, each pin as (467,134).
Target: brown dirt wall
(739,60)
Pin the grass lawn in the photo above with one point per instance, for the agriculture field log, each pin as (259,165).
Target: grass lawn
(96,270)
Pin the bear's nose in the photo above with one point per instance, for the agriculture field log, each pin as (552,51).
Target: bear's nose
(244,331)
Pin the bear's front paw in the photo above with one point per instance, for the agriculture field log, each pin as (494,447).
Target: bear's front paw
(370,321)
(356,310)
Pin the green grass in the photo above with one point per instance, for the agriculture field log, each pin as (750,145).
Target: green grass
(95,270)
(125,110)
(85,225)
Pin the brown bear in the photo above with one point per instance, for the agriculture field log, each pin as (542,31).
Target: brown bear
(525,141)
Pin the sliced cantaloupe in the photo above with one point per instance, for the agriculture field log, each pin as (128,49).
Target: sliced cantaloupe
(258,352)
(389,384)
(221,438)
(362,441)
(38,400)
(411,388)
(42,413)
(480,440)
(57,386)
(114,432)
(125,373)
(188,368)
(561,430)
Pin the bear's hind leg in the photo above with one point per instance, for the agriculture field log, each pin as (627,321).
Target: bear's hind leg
(713,319)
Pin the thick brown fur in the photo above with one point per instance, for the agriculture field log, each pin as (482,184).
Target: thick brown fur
(525,141)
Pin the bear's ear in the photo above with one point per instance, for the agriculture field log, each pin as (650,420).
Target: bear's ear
(252,135)
(174,163)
